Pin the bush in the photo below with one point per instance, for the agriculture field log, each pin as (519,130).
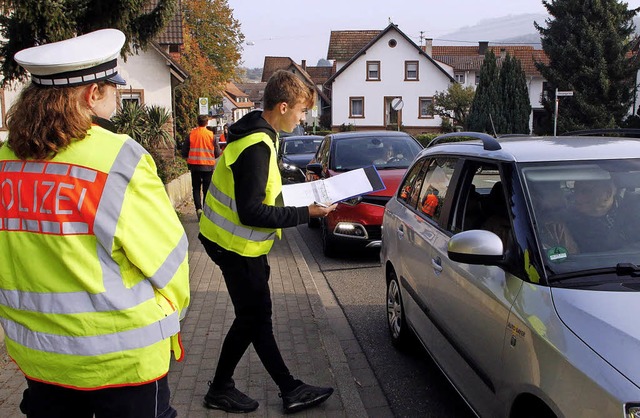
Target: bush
(151,127)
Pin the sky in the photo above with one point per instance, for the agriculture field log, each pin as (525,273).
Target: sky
(300,29)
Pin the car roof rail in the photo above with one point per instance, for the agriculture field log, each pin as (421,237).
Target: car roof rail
(489,143)
(625,132)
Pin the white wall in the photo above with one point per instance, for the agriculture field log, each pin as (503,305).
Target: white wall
(352,83)
(149,72)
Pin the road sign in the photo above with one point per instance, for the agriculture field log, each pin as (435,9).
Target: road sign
(203,106)
(314,112)
(566,93)
(397,103)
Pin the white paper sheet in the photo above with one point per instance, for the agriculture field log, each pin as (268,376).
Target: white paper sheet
(327,191)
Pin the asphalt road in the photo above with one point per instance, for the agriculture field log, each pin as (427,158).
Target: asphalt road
(412,383)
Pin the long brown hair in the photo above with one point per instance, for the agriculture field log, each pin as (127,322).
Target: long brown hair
(45,120)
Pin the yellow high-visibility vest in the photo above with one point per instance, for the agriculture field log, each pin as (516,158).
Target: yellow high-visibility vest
(94,276)
(221,223)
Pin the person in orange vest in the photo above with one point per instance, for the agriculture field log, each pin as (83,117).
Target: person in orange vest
(430,202)
(94,276)
(201,150)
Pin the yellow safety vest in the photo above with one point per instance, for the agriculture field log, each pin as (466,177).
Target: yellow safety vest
(94,273)
(221,223)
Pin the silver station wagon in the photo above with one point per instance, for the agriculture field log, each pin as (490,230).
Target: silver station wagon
(515,262)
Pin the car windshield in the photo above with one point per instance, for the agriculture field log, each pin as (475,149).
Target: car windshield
(385,152)
(301,145)
(586,214)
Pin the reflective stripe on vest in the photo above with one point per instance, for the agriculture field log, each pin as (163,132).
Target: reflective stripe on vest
(201,147)
(68,192)
(221,222)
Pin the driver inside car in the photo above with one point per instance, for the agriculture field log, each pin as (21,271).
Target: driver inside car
(602,221)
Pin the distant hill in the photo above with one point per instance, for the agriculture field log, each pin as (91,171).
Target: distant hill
(512,29)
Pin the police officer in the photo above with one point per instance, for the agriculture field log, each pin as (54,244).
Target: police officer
(94,274)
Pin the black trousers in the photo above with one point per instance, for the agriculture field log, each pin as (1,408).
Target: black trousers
(247,280)
(151,400)
(200,181)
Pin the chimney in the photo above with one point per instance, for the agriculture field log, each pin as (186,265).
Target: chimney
(428,46)
(304,65)
(482,47)
(503,53)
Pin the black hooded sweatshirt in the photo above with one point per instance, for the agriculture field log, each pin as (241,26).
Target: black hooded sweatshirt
(250,174)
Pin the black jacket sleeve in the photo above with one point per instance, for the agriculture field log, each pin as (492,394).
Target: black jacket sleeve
(250,174)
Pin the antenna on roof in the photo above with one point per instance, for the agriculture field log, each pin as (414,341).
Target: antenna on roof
(390,21)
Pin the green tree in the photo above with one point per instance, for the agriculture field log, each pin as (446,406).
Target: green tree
(485,105)
(27,23)
(454,103)
(588,43)
(514,104)
(211,51)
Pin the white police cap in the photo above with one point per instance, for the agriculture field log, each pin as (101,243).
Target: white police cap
(73,62)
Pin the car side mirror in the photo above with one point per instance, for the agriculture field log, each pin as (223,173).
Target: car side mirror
(476,246)
(315,168)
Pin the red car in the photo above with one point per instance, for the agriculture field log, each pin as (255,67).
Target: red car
(357,221)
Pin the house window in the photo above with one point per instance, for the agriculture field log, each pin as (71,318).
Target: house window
(425,108)
(131,96)
(411,71)
(373,70)
(477,78)
(356,107)
(460,78)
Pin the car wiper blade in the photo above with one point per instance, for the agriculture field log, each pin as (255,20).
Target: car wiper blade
(621,269)
(554,278)
(627,269)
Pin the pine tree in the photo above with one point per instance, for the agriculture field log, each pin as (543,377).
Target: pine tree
(485,106)
(34,22)
(514,104)
(588,44)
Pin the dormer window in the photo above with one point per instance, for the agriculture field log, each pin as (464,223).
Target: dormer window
(373,70)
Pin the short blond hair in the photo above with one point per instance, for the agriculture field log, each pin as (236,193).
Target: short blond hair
(284,86)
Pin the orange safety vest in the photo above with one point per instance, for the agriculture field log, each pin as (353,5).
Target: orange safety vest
(430,204)
(201,147)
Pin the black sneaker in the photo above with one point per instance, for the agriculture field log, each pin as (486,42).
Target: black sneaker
(304,396)
(229,399)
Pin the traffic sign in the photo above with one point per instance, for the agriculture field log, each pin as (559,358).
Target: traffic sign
(203,106)
(397,103)
(566,93)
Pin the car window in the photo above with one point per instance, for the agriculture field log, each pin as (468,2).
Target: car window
(323,151)
(385,152)
(483,203)
(435,183)
(585,213)
(405,190)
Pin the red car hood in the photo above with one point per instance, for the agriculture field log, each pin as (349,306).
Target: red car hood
(391,179)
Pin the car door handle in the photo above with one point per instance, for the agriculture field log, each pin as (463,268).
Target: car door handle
(400,231)
(436,263)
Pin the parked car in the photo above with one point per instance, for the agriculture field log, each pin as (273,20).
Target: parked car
(514,262)
(357,221)
(294,153)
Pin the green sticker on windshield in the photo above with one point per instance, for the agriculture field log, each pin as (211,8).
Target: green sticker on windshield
(557,254)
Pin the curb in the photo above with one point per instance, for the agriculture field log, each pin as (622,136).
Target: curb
(332,321)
